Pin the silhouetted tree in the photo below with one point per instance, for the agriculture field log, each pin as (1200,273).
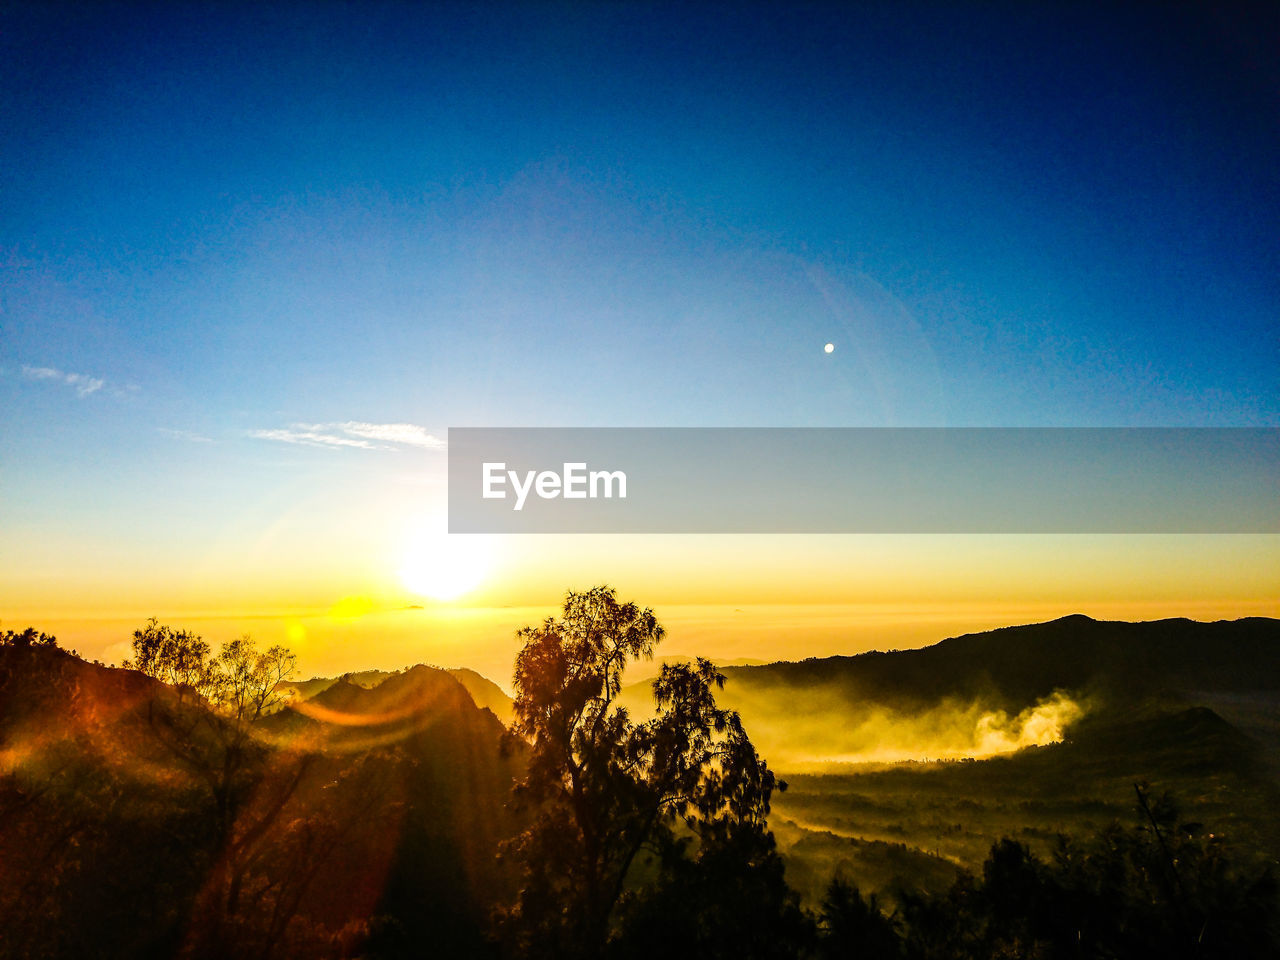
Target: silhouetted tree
(45,825)
(29,637)
(852,927)
(239,686)
(296,880)
(209,730)
(1162,889)
(607,794)
(176,657)
(727,899)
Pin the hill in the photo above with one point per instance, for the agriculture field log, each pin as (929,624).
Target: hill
(372,814)
(956,810)
(990,693)
(1015,666)
(484,692)
(1064,717)
(309,688)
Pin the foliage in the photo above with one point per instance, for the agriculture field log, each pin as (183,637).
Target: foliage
(612,799)
(249,786)
(853,926)
(27,638)
(1163,888)
(176,657)
(241,681)
(728,900)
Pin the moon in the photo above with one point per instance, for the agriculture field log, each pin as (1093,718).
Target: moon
(829,347)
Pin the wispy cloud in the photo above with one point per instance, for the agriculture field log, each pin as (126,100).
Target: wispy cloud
(82,383)
(353,433)
(406,433)
(299,434)
(183,435)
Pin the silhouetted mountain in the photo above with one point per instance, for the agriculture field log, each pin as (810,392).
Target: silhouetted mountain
(1015,666)
(647,669)
(377,809)
(1144,693)
(104,831)
(423,709)
(995,692)
(484,692)
(310,688)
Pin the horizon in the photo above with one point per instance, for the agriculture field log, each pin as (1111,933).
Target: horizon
(925,634)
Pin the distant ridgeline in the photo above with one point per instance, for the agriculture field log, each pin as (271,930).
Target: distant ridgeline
(486,694)
(1015,666)
(996,692)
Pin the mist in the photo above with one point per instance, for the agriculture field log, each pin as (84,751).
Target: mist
(826,728)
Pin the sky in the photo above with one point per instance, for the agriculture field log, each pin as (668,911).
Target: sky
(254,263)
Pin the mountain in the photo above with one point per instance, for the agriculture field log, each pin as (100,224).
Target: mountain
(484,692)
(309,688)
(991,693)
(455,778)
(648,669)
(378,800)
(131,817)
(1015,666)
(423,707)
(1069,714)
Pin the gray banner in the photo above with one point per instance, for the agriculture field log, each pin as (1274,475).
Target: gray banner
(864,480)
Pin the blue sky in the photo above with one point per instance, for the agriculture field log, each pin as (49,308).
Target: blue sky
(244,220)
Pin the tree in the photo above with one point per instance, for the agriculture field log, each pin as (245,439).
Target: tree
(1162,889)
(210,731)
(853,926)
(607,794)
(237,687)
(176,657)
(27,639)
(246,683)
(241,683)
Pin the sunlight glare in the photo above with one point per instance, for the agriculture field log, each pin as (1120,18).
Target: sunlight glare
(445,566)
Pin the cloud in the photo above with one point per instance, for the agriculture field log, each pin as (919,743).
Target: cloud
(406,433)
(83,383)
(42,373)
(183,435)
(353,433)
(310,438)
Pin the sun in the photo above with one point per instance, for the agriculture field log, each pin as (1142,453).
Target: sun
(446,566)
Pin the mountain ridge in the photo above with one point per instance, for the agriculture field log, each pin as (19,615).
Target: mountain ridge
(1019,664)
